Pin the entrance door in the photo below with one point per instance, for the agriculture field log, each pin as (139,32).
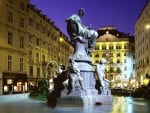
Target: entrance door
(20,87)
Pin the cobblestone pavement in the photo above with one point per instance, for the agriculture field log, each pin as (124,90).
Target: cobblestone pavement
(21,103)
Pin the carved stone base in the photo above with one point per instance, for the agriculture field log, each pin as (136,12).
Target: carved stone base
(78,98)
(83,98)
(88,96)
(104,99)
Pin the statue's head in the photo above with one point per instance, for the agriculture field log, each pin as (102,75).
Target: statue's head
(81,12)
(62,66)
(103,61)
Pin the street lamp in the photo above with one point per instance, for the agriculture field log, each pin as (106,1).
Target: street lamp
(61,39)
(147,26)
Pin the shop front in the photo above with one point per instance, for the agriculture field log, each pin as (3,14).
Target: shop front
(14,83)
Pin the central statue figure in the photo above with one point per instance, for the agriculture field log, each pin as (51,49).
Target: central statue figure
(82,37)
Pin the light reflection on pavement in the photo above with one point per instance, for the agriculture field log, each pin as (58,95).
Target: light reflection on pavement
(21,103)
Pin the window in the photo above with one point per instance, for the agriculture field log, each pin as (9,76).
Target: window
(37,26)
(21,64)
(133,56)
(97,47)
(118,61)
(125,61)
(118,70)
(147,47)
(10,17)
(111,47)
(125,46)
(37,57)
(10,38)
(103,47)
(22,6)
(30,55)
(118,47)
(21,42)
(118,54)
(147,60)
(125,54)
(104,55)
(49,48)
(30,38)
(133,66)
(97,61)
(9,62)
(111,69)
(125,68)
(38,72)
(43,57)
(97,55)
(43,29)
(31,70)
(30,21)
(21,24)
(48,33)
(37,41)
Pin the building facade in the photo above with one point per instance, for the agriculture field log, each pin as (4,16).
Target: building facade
(142,44)
(118,49)
(28,41)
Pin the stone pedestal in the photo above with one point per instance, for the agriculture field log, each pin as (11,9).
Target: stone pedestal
(89,96)
(80,96)
(104,99)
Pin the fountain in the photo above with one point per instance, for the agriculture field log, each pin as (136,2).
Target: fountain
(80,88)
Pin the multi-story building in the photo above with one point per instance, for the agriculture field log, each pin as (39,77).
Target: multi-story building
(28,41)
(142,44)
(118,49)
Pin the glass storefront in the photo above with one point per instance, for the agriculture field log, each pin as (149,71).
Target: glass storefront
(14,83)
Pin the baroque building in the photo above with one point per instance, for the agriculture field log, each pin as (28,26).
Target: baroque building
(28,41)
(118,49)
(142,45)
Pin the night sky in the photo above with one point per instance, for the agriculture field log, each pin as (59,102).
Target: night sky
(122,14)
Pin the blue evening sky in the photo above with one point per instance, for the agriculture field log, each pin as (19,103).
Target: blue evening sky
(122,14)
